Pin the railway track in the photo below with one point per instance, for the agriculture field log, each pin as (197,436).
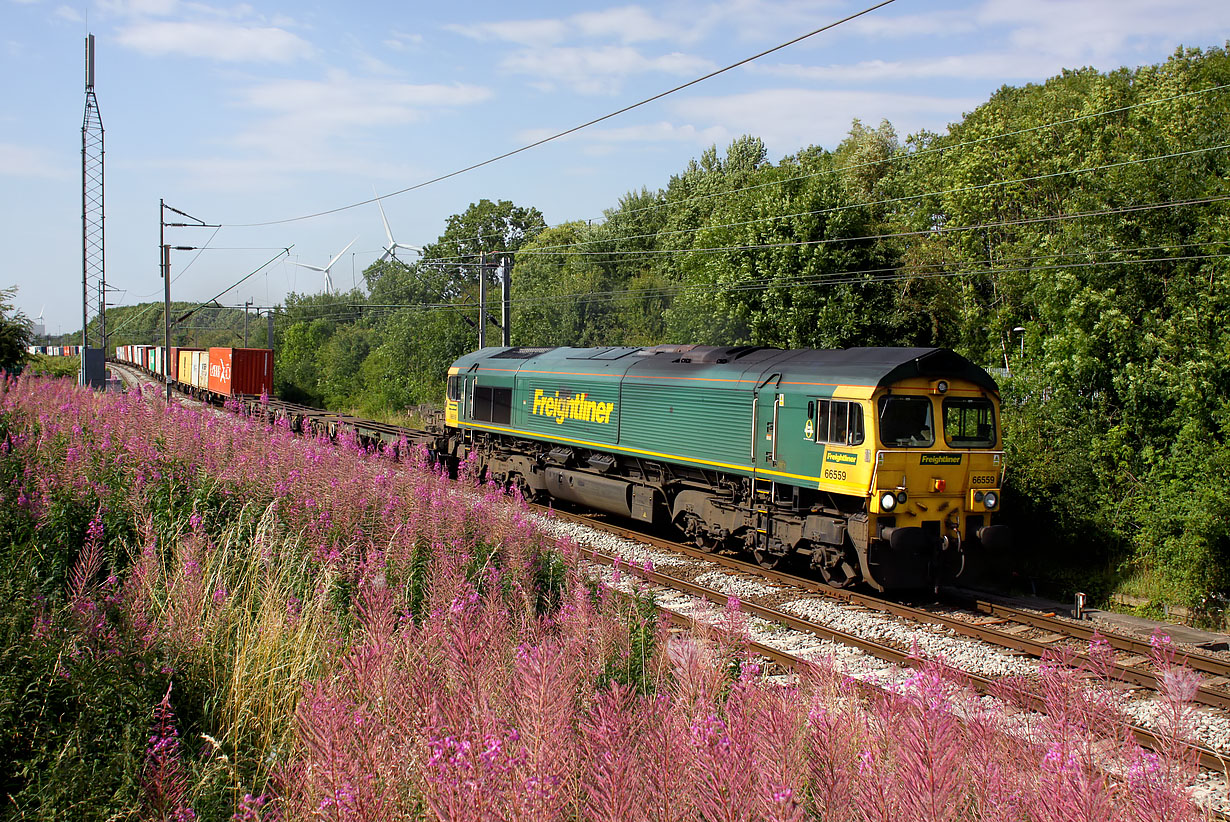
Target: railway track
(1001,626)
(1208,758)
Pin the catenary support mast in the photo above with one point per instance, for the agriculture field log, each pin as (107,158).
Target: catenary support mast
(93,275)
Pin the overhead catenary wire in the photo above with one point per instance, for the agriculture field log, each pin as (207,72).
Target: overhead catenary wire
(899,156)
(577,128)
(851,206)
(1014,263)
(858,277)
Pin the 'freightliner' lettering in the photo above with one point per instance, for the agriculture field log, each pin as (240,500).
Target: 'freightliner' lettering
(575,407)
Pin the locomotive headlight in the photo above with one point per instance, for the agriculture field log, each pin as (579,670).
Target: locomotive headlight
(888,501)
(901,497)
(991,500)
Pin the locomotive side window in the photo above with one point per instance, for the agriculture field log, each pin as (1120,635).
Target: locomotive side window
(969,422)
(906,422)
(839,423)
(454,388)
(855,433)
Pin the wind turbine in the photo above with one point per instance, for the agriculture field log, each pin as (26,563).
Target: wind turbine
(390,250)
(39,327)
(325,270)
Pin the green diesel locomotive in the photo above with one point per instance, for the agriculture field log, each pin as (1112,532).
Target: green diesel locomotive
(880,465)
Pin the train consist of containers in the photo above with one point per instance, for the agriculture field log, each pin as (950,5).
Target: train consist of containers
(221,372)
(55,350)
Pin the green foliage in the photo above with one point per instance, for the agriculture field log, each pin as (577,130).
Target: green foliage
(54,366)
(1082,210)
(16,333)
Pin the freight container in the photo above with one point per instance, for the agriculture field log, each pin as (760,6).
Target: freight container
(235,371)
(181,365)
(200,370)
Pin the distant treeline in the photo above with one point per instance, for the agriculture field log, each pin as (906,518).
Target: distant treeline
(1073,234)
(143,324)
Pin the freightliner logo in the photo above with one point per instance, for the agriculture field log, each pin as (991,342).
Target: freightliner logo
(574,407)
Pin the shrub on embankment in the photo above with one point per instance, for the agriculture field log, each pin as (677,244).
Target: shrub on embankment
(211,618)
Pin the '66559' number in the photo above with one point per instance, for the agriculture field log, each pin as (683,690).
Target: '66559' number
(834,474)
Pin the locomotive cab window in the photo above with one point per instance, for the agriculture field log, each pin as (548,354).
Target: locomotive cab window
(906,422)
(969,422)
(492,404)
(454,388)
(839,423)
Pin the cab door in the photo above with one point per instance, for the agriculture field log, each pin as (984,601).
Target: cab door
(766,420)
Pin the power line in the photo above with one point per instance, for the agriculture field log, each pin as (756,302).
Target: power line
(614,256)
(834,209)
(575,129)
(890,273)
(900,156)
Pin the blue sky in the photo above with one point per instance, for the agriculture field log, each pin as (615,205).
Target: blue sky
(251,113)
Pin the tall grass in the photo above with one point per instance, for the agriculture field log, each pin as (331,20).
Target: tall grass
(214,619)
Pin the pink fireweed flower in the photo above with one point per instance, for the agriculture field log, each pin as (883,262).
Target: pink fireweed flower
(732,603)
(250,808)
(1180,684)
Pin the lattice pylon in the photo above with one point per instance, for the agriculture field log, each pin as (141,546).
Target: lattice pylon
(93,216)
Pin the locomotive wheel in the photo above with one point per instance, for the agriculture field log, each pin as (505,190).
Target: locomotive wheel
(766,559)
(707,543)
(837,566)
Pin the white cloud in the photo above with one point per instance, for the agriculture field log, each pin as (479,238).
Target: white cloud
(597,70)
(228,42)
(628,24)
(1100,30)
(792,119)
(604,140)
(533,33)
(358,100)
(315,126)
(402,41)
(69,14)
(31,161)
(994,65)
(884,24)
(139,8)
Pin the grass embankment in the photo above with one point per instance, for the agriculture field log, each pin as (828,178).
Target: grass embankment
(209,618)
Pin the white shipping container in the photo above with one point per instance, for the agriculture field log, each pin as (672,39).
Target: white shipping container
(200,369)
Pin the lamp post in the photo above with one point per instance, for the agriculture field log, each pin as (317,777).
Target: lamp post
(1020,329)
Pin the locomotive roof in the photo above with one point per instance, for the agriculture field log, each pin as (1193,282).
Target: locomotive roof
(852,366)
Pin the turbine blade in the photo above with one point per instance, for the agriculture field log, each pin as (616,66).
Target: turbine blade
(387,231)
(340,253)
(305,265)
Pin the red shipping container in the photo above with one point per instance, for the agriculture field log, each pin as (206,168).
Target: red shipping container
(234,371)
